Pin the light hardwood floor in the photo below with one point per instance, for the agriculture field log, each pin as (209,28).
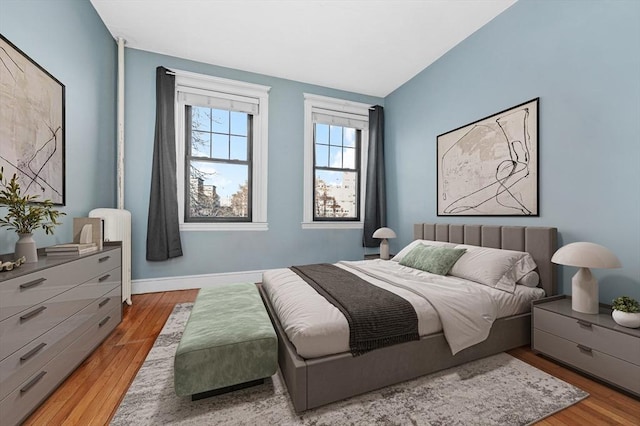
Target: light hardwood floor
(92,393)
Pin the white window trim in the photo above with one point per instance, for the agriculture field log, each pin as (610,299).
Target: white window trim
(230,89)
(341,108)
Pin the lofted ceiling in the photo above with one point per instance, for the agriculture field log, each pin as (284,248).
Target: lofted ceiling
(364,46)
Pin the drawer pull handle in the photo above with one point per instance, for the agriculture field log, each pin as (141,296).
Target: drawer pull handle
(584,349)
(32,352)
(32,313)
(32,283)
(584,324)
(33,381)
(105,258)
(104,302)
(104,321)
(103,278)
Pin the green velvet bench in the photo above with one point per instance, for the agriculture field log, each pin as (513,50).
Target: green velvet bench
(227,344)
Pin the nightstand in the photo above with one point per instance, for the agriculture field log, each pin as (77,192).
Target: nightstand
(593,344)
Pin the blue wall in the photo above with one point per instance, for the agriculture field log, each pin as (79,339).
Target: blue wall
(580,58)
(583,60)
(285,243)
(68,39)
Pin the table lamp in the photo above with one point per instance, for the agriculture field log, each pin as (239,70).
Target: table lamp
(384,233)
(584,286)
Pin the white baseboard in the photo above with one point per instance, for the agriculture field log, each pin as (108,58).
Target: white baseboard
(155,285)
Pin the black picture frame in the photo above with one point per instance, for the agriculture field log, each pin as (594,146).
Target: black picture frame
(32,108)
(490,167)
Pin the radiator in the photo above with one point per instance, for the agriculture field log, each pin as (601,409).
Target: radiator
(117,227)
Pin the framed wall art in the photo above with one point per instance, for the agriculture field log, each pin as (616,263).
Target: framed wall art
(490,167)
(32,125)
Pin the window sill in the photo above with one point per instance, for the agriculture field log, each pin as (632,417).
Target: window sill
(229,226)
(332,225)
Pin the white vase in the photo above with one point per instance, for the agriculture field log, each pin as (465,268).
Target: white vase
(626,319)
(26,246)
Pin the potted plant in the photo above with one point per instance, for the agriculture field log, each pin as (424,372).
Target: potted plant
(24,217)
(626,311)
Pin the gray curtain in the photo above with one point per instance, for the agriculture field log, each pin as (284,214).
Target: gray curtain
(375,208)
(163,231)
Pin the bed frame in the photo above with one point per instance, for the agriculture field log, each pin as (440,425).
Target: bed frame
(319,381)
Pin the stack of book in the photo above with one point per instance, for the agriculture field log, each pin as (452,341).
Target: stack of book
(71,249)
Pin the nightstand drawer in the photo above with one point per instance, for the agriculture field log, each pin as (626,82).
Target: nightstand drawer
(611,369)
(607,341)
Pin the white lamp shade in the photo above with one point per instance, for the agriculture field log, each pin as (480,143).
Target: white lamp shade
(384,233)
(585,255)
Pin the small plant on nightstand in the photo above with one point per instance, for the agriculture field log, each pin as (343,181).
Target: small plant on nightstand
(626,311)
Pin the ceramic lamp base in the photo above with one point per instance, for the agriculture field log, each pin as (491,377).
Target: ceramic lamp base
(584,292)
(384,249)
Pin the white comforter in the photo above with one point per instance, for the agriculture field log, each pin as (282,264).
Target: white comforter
(462,309)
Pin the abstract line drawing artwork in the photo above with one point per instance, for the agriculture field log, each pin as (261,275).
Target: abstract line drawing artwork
(32,132)
(490,167)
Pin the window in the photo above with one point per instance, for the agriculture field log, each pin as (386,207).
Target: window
(336,135)
(336,172)
(221,143)
(218,161)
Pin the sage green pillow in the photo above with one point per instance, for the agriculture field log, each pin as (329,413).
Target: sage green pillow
(437,260)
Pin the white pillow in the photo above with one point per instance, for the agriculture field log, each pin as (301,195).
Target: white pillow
(496,268)
(532,279)
(398,257)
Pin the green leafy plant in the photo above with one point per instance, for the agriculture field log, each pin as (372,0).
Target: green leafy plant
(626,304)
(22,214)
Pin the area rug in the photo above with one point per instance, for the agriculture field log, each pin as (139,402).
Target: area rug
(498,390)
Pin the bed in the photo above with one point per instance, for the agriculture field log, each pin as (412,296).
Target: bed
(319,378)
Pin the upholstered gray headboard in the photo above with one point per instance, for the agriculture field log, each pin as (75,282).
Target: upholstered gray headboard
(540,242)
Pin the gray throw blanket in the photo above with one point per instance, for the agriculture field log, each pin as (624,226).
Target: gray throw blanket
(377,317)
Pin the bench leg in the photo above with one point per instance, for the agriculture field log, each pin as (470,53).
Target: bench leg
(207,394)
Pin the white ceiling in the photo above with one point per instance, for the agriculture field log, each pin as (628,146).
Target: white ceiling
(370,47)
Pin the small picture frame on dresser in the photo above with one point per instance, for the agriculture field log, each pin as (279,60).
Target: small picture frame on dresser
(97,230)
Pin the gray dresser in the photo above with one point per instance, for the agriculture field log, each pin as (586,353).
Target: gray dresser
(593,344)
(53,314)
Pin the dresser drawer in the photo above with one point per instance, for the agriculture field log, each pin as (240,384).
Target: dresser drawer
(23,292)
(100,263)
(102,283)
(29,324)
(26,397)
(20,365)
(607,341)
(589,360)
